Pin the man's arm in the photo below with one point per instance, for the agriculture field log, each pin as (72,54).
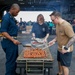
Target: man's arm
(33,35)
(70,33)
(5,34)
(71,41)
(45,39)
(52,42)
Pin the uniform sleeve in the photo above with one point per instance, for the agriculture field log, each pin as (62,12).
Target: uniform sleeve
(47,30)
(69,31)
(33,28)
(4,24)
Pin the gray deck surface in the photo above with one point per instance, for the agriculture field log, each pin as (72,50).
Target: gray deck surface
(25,38)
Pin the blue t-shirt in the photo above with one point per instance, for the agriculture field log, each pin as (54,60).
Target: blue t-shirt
(9,25)
(40,30)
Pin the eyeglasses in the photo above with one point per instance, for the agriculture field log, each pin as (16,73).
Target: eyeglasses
(53,20)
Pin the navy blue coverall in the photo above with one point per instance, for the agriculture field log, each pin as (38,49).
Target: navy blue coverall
(11,50)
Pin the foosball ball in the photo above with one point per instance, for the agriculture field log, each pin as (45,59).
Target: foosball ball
(34,53)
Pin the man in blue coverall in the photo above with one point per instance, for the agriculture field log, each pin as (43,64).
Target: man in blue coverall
(9,42)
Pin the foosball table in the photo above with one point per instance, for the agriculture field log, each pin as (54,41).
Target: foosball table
(34,61)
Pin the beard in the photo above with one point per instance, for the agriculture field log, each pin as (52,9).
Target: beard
(13,14)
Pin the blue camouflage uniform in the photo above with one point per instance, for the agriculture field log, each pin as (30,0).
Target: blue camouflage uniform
(40,30)
(9,25)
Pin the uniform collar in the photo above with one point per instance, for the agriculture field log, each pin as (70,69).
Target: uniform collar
(39,24)
(10,15)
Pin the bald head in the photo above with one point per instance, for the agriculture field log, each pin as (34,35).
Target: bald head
(14,10)
(15,6)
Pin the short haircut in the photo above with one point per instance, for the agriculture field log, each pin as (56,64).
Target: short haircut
(15,6)
(56,14)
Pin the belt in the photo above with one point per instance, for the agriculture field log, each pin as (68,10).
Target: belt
(11,36)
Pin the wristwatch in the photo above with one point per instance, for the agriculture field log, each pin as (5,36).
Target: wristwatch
(68,49)
(65,48)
